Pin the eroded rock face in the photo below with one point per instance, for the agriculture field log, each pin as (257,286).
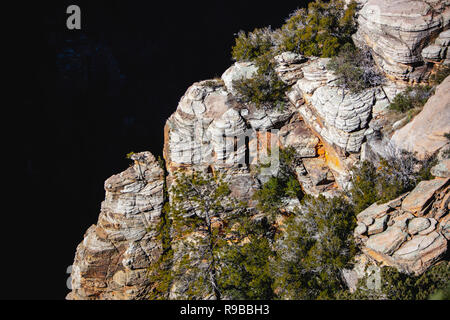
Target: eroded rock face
(400,33)
(289,67)
(210,128)
(339,117)
(419,199)
(212,131)
(424,135)
(239,71)
(297,135)
(111,262)
(442,169)
(409,233)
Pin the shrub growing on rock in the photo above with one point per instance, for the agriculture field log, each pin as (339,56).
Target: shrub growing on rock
(320,30)
(355,69)
(412,97)
(395,285)
(387,179)
(265,89)
(316,245)
(223,249)
(249,46)
(284,185)
(440,75)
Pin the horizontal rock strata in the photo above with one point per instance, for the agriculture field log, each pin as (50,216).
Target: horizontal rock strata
(409,233)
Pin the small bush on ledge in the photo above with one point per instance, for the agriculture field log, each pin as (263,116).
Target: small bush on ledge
(411,98)
(388,179)
(265,89)
(283,185)
(321,30)
(252,45)
(440,75)
(355,69)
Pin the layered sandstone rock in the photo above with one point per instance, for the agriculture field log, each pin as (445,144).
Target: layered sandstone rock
(289,67)
(409,233)
(424,135)
(401,35)
(112,260)
(442,169)
(211,130)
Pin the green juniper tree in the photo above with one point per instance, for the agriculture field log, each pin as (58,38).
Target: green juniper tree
(319,30)
(280,187)
(316,245)
(223,251)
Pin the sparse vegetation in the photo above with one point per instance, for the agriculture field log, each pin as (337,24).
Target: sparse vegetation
(441,73)
(321,30)
(224,251)
(355,69)
(214,83)
(388,179)
(433,284)
(252,45)
(265,89)
(412,98)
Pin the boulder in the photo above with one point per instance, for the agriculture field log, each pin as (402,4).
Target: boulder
(401,221)
(373,212)
(239,71)
(409,243)
(378,226)
(388,241)
(442,169)
(417,225)
(422,195)
(297,135)
(289,67)
(431,228)
(432,52)
(418,254)
(318,171)
(360,229)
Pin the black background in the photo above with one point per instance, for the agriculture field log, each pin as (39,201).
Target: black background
(87,98)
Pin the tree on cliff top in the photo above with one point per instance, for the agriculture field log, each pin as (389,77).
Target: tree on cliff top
(320,30)
(355,69)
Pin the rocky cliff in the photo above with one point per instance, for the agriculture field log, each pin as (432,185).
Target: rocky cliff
(329,128)
(111,263)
